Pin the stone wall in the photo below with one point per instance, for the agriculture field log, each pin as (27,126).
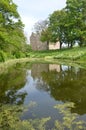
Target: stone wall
(36,44)
(54,46)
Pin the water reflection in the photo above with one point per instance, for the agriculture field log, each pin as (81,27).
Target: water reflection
(63,83)
(10,82)
(47,84)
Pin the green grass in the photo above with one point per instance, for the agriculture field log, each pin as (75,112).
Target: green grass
(74,54)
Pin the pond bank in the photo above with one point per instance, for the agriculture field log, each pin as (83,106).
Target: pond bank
(73,57)
(75,54)
(5,65)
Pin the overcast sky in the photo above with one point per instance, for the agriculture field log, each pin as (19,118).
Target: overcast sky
(32,11)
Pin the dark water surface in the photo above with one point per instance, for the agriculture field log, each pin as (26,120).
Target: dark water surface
(44,85)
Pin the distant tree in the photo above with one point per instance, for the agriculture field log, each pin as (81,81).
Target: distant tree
(56,25)
(46,36)
(41,28)
(76,16)
(66,26)
(69,24)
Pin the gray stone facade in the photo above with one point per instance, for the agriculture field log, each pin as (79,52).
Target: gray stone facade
(36,44)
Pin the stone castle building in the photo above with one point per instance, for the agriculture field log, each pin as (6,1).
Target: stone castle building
(36,43)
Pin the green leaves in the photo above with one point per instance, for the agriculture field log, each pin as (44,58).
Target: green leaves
(57,26)
(12,37)
(8,8)
(68,25)
(76,14)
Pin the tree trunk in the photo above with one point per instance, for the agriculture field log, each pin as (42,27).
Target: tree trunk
(71,45)
(60,45)
(81,42)
(47,45)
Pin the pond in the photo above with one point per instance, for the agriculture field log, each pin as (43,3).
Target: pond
(40,88)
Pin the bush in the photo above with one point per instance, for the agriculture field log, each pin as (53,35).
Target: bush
(3,56)
(19,55)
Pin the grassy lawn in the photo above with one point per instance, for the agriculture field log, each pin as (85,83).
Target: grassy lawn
(74,54)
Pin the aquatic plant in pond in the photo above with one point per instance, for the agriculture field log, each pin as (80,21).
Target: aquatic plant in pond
(70,120)
(39,87)
(10,119)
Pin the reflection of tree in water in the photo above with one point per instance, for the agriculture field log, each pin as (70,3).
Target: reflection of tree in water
(36,72)
(13,97)
(37,69)
(10,82)
(67,85)
(41,85)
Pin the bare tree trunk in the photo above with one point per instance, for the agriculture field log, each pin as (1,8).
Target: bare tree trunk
(71,45)
(47,45)
(60,45)
(81,41)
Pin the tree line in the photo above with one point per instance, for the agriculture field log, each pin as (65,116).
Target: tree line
(67,26)
(12,38)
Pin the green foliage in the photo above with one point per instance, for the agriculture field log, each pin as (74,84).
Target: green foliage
(56,25)
(2,56)
(67,25)
(27,49)
(76,17)
(78,54)
(19,54)
(12,37)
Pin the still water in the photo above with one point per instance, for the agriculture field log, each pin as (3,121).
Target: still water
(44,85)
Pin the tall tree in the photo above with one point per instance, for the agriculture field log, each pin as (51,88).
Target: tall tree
(57,26)
(11,27)
(76,11)
(67,25)
(41,28)
(46,36)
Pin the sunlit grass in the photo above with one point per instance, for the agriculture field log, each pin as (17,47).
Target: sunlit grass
(5,65)
(64,56)
(70,54)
